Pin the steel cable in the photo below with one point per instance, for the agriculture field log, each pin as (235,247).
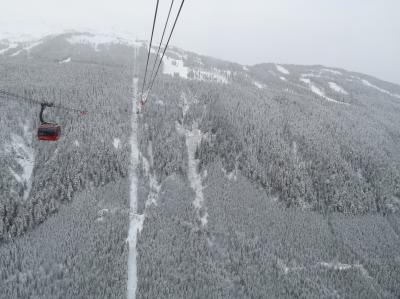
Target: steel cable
(165,49)
(151,41)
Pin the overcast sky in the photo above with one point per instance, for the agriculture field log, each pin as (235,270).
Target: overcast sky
(358,35)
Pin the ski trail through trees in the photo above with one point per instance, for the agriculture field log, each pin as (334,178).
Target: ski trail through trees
(135,221)
(193,139)
(25,157)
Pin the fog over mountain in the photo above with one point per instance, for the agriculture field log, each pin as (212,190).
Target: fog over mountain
(356,35)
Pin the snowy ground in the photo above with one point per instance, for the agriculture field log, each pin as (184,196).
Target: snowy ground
(97,40)
(10,47)
(21,147)
(134,220)
(337,266)
(116,143)
(319,91)
(65,60)
(334,86)
(258,85)
(27,48)
(367,83)
(176,67)
(282,70)
(193,139)
(334,72)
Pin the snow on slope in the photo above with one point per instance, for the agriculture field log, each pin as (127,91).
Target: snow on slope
(336,266)
(334,86)
(116,143)
(96,40)
(193,139)
(67,60)
(258,85)
(367,83)
(334,72)
(10,47)
(135,222)
(319,91)
(155,187)
(281,69)
(24,154)
(27,48)
(175,67)
(215,76)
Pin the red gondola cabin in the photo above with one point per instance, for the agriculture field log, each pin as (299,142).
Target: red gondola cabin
(49,132)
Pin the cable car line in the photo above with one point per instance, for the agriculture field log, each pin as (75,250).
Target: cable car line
(162,39)
(151,41)
(16,97)
(165,49)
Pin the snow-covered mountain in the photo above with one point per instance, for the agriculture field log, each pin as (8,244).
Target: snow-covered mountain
(263,181)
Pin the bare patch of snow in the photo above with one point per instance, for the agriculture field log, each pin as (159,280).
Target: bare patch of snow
(116,142)
(27,48)
(22,149)
(183,102)
(229,175)
(258,85)
(369,84)
(180,53)
(175,68)
(216,75)
(154,186)
(193,139)
(306,81)
(16,53)
(281,69)
(319,91)
(101,214)
(10,47)
(16,176)
(311,75)
(337,266)
(67,60)
(273,73)
(96,40)
(33,45)
(332,72)
(135,222)
(282,266)
(337,88)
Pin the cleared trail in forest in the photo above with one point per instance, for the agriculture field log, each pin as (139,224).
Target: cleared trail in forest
(134,221)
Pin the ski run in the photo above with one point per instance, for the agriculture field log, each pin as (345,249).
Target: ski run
(135,221)
(193,139)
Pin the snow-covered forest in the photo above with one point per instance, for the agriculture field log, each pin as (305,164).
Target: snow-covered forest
(263,181)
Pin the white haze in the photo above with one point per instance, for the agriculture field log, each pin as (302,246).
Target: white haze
(359,35)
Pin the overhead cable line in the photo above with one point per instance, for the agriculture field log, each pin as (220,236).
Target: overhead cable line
(165,50)
(16,97)
(162,39)
(151,41)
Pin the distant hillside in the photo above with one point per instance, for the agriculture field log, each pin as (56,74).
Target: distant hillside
(278,181)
